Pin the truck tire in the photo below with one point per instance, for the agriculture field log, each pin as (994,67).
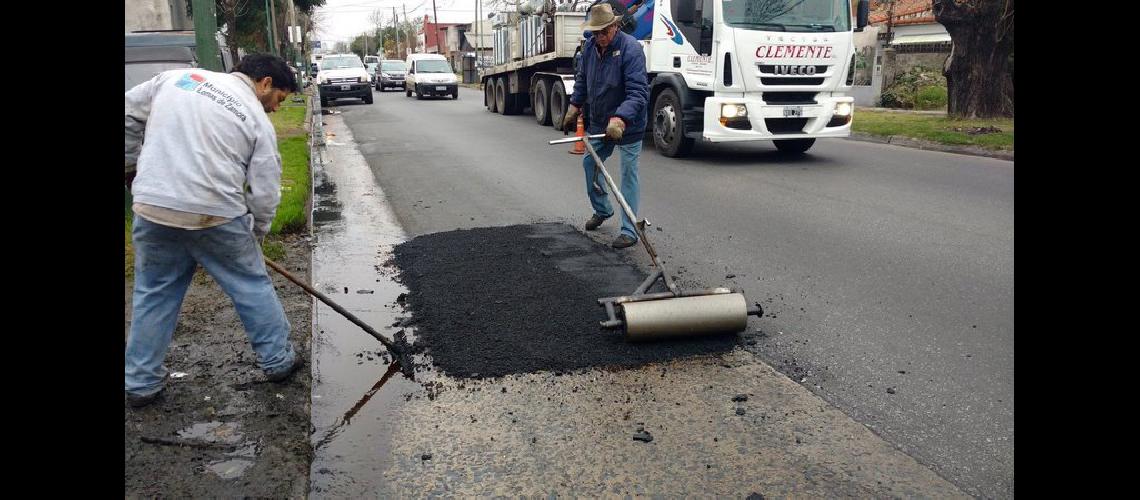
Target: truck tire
(669,126)
(794,146)
(558,104)
(541,103)
(503,100)
(489,95)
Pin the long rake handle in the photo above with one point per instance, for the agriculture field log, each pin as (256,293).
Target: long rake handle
(387,343)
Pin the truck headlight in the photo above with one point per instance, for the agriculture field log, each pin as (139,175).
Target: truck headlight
(733,110)
(843,109)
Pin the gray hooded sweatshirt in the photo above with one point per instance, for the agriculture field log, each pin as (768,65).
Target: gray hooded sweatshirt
(210,147)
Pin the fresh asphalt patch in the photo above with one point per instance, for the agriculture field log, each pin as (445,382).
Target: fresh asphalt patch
(494,301)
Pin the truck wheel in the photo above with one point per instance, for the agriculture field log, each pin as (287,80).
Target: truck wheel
(557,104)
(489,95)
(794,146)
(502,101)
(669,127)
(541,103)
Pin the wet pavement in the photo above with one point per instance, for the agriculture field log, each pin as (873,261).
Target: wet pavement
(713,425)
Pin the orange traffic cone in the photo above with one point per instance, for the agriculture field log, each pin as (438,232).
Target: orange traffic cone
(579,147)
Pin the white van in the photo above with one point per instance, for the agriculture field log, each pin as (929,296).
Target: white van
(430,74)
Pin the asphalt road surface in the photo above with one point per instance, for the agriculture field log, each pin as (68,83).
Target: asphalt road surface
(886,273)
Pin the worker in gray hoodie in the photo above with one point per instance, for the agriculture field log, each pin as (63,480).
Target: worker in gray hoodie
(207,186)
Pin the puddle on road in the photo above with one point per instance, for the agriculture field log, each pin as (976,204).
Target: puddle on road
(213,432)
(356,387)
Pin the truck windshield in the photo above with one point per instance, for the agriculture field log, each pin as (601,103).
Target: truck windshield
(433,66)
(788,15)
(341,63)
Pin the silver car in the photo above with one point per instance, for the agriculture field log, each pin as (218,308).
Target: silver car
(390,74)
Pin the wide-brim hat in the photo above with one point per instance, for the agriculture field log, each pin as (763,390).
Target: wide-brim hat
(601,16)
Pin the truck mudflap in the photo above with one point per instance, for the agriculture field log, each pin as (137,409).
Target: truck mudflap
(763,121)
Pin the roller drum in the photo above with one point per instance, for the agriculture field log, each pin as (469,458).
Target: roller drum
(685,316)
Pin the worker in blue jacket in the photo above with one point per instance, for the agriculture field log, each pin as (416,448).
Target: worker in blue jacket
(611,86)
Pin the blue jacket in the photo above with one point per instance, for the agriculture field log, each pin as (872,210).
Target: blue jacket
(613,84)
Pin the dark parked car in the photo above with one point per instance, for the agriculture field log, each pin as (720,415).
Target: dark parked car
(148,53)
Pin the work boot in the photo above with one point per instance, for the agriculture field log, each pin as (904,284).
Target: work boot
(595,221)
(624,241)
(141,401)
(284,374)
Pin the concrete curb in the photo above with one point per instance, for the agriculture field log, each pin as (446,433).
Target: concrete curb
(896,140)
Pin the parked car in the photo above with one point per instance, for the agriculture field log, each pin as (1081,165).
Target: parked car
(148,53)
(391,74)
(341,76)
(371,67)
(430,74)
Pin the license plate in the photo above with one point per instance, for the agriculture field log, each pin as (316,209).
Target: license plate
(793,111)
(441,88)
(345,87)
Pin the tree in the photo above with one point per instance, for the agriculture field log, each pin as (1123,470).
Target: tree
(228,12)
(979,82)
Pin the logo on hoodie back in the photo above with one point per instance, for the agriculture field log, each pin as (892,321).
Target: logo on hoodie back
(190,81)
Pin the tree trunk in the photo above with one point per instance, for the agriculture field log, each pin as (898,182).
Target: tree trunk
(978,83)
(230,13)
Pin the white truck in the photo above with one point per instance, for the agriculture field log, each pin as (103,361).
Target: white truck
(718,70)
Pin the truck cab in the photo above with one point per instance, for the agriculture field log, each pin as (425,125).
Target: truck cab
(743,70)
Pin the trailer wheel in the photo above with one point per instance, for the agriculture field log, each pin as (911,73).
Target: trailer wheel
(669,127)
(501,96)
(541,103)
(489,95)
(557,104)
(794,146)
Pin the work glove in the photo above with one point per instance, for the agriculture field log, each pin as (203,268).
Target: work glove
(570,121)
(615,129)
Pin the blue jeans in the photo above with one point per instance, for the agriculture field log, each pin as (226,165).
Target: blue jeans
(629,185)
(165,260)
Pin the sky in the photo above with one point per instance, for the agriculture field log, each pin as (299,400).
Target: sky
(345,19)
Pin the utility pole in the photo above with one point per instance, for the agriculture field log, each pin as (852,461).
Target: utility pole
(276,34)
(435,27)
(205,34)
(396,22)
(268,29)
(405,21)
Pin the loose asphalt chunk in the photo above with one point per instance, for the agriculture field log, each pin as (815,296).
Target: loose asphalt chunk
(494,301)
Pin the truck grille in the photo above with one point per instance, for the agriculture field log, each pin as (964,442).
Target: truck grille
(789,97)
(785,125)
(791,81)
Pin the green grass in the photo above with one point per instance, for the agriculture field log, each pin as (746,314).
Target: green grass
(292,142)
(294,185)
(937,128)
